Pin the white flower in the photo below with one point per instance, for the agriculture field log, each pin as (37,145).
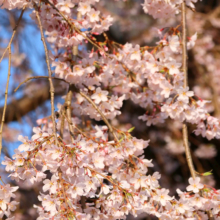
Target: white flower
(162,196)
(100,95)
(76,189)
(84,8)
(26,143)
(173,67)
(98,160)
(174,43)
(206,151)
(136,55)
(93,15)
(184,94)
(50,204)
(50,185)
(195,185)
(9,164)
(138,181)
(192,41)
(124,184)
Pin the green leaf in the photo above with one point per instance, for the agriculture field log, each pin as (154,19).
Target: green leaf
(121,139)
(131,129)
(206,190)
(207,173)
(97,66)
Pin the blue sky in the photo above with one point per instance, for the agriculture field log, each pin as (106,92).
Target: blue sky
(32,46)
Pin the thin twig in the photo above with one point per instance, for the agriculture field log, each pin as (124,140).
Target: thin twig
(185,84)
(69,95)
(9,74)
(13,34)
(73,27)
(6,96)
(74,89)
(68,110)
(98,110)
(63,112)
(37,77)
(67,104)
(39,145)
(75,48)
(6,49)
(63,189)
(79,131)
(49,73)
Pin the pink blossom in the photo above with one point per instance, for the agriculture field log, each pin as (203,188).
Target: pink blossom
(100,96)
(195,185)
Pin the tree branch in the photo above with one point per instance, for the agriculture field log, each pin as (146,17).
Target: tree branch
(20,107)
(49,73)
(98,110)
(8,78)
(184,67)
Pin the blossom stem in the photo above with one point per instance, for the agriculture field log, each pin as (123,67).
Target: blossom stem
(73,27)
(37,77)
(78,130)
(69,94)
(68,110)
(39,145)
(100,112)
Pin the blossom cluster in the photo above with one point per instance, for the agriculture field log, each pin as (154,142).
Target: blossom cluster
(95,178)
(6,204)
(165,8)
(10,4)
(157,68)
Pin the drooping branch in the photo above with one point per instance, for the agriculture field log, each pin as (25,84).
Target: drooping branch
(36,77)
(6,96)
(185,84)
(98,110)
(8,78)
(13,34)
(73,88)
(49,72)
(69,95)
(18,108)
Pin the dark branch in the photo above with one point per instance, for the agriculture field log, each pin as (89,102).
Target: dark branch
(20,107)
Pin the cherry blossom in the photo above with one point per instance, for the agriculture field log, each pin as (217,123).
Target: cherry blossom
(205,151)
(100,96)
(195,185)
(104,164)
